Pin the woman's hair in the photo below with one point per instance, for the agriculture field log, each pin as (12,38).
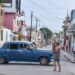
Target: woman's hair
(57,43)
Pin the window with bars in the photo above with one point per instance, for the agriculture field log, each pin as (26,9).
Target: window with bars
(7,3)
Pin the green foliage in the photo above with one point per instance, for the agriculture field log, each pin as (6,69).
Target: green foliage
(47,32)
(0,1)
(57,34)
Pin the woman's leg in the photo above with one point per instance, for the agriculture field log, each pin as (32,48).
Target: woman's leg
(55,65)
(59,65)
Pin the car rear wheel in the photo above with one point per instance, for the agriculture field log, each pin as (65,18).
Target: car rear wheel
(6,62)
(44,61)
(2,60)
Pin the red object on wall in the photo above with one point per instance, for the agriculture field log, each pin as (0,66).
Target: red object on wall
(66,37)
(64,42)
(9,22)
(22,22)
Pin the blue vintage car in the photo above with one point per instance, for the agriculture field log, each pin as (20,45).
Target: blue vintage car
(24,51)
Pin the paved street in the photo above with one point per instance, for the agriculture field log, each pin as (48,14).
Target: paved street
(33,69)
(21,68)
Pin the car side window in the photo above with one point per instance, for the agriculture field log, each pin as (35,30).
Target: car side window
(21,46)
(26,46)
(8,46)
(12,46)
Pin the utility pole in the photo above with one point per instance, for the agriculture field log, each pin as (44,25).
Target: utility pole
(36,23)
(31,26)
(36,27)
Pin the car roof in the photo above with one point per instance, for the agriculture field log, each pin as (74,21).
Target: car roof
(26,42)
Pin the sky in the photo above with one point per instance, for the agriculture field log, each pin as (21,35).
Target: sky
(50,13)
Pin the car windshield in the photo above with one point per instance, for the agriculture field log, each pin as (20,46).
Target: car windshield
(32,46)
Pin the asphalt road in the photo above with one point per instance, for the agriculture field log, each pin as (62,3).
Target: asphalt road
(22,68)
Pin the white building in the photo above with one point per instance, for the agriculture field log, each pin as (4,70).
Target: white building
(5,35)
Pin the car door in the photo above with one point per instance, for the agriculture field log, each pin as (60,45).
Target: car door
(12,52)
(25,54)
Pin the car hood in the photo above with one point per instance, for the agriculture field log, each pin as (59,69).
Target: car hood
(47,51)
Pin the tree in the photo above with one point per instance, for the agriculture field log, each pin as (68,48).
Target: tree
(0,1)
(57,34)
(47,32)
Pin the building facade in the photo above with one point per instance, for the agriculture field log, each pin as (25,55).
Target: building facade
(11,10)
(69,32)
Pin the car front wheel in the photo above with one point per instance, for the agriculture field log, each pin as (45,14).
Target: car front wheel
(44,61)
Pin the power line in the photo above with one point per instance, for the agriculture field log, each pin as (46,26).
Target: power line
(44,9)
(47,23)
(47,18)
(58,6)
(48,14)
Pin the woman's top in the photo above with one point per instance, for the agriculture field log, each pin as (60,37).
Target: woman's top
(57,54)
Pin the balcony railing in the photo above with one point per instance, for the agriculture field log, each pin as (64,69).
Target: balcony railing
(6,3)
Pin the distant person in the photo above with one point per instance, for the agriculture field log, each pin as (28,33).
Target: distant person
(53,46)
(57,57)
(73,50)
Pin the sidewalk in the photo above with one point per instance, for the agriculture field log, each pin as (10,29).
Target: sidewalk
(68,56)
(71,67)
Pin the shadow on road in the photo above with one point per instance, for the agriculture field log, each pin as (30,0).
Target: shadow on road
(28,64)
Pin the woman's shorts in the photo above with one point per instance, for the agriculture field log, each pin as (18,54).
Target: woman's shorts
(56,59)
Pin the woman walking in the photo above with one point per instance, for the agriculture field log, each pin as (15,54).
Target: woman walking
(57,57)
